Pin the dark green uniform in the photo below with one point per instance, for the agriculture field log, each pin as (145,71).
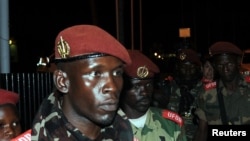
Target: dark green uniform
(160,125)
(174,104)
(237,104)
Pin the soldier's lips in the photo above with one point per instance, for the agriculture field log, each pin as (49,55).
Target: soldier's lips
(109,107)
(144,101)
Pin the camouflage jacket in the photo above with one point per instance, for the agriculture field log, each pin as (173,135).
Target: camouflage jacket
(160,125)
(187,113)
(51,124)
(237,104)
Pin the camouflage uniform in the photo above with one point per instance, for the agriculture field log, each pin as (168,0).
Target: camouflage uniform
(51,124)
(237,104)
(159,126)
(187,115)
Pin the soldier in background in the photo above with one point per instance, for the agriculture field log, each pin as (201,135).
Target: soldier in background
(187,75)
(10,126)
(227,102)
(148,123)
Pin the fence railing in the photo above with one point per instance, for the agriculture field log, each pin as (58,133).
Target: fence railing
(32,88)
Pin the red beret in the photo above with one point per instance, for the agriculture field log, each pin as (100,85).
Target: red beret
(141,66)
(189,55)
(80,40)
(223,47)
(8,97)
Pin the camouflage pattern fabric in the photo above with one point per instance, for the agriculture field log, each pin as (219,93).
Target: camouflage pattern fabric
(51,124)
(237,104)
(157,128)
(187,115)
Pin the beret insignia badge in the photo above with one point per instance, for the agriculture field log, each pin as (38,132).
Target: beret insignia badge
(183,56)
(142,72)
(63,48)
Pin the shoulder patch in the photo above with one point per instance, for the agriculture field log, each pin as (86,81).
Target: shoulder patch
(210,85)
(247,79)
(172,116)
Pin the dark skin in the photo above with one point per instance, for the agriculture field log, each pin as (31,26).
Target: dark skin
(91,89)
(10,126)
(187,70)
(136,100)
(227,66)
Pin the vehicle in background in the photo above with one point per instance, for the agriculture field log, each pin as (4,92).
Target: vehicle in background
(245,62)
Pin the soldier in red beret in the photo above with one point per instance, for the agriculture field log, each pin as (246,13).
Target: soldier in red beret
(187,74)
(88,79)
(10,126)
(228,102)
(148,123)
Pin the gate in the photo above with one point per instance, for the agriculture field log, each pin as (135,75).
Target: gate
(32,88)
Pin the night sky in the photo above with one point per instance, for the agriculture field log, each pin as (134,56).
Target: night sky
(35,24)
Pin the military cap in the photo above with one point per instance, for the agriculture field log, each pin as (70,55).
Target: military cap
(141,67)
(85,41)
(8,97)
(189,55)
(223,47)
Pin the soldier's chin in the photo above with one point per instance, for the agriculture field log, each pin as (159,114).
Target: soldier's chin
(142,109)
(107,119)
(106,123)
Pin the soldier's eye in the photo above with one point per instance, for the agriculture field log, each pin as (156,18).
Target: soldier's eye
(95,73)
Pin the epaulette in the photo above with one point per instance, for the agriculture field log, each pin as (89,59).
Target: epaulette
(247,79)
(172,116)
(210,85)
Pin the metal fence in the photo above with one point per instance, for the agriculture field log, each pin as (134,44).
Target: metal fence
(32,88)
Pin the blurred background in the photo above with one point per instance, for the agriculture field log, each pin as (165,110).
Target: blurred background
(158,28)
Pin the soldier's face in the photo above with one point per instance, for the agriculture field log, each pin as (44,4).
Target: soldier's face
(227,66)
(188,70)
(138,97)
(94,87)
(10,126)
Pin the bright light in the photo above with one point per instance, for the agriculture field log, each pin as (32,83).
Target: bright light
(10,42)
(155,53)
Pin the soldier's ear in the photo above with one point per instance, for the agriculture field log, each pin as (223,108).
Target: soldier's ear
(61,81)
